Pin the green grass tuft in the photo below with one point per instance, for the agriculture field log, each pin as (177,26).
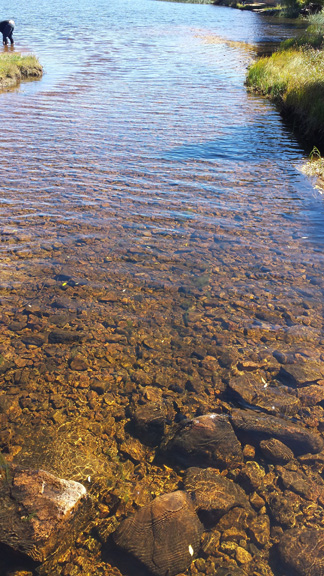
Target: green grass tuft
(14,67)
(294,78)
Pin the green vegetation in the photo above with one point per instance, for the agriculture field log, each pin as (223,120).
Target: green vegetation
(294,78)
(14,67)
(314,168)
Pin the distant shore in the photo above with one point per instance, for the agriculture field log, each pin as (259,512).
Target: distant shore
(14,68)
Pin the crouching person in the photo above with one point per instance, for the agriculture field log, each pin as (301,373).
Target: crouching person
(7,28)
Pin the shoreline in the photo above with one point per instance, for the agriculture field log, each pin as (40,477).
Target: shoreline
(259,7)
(293,79)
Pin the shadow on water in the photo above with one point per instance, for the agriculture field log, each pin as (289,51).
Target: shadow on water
(11,562)
(128,565)
(237,144)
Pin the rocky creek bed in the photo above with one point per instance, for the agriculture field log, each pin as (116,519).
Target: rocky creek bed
(145,393)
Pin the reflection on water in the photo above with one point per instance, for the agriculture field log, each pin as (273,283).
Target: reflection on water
(152,212)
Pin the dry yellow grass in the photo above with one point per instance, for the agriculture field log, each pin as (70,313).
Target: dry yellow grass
(294,78)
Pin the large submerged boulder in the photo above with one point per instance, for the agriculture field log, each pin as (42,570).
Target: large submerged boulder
(213,494)
(302,550)
(251,389)
(253,427)
(40,512)
(207,440)
(164,535)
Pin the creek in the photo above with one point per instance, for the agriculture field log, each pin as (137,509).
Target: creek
(153,207)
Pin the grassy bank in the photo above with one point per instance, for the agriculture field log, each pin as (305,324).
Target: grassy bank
(14,67)
(294,78)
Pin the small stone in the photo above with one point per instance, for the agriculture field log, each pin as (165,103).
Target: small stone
(276,451)
(210,541)
(229,547)
(227,357)
(248,366)
(64,336)
(249,452)
(134,449)
(235,517)
(78,363)
(282,509)
(259,529)
(34,340)
(242,556)
(251,475)
(17,326)
(256,500)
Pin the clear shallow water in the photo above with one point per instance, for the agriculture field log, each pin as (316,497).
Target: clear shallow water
(152,204)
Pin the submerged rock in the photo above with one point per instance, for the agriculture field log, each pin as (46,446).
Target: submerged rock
(311,395)
(149,416)
(252,390)
(205,441)
(164,535)
(255,427)
(302,550)
(301,374)
(39,512)
(214,495)
(276,451)
(64,336)
(300,483)
(283,508)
